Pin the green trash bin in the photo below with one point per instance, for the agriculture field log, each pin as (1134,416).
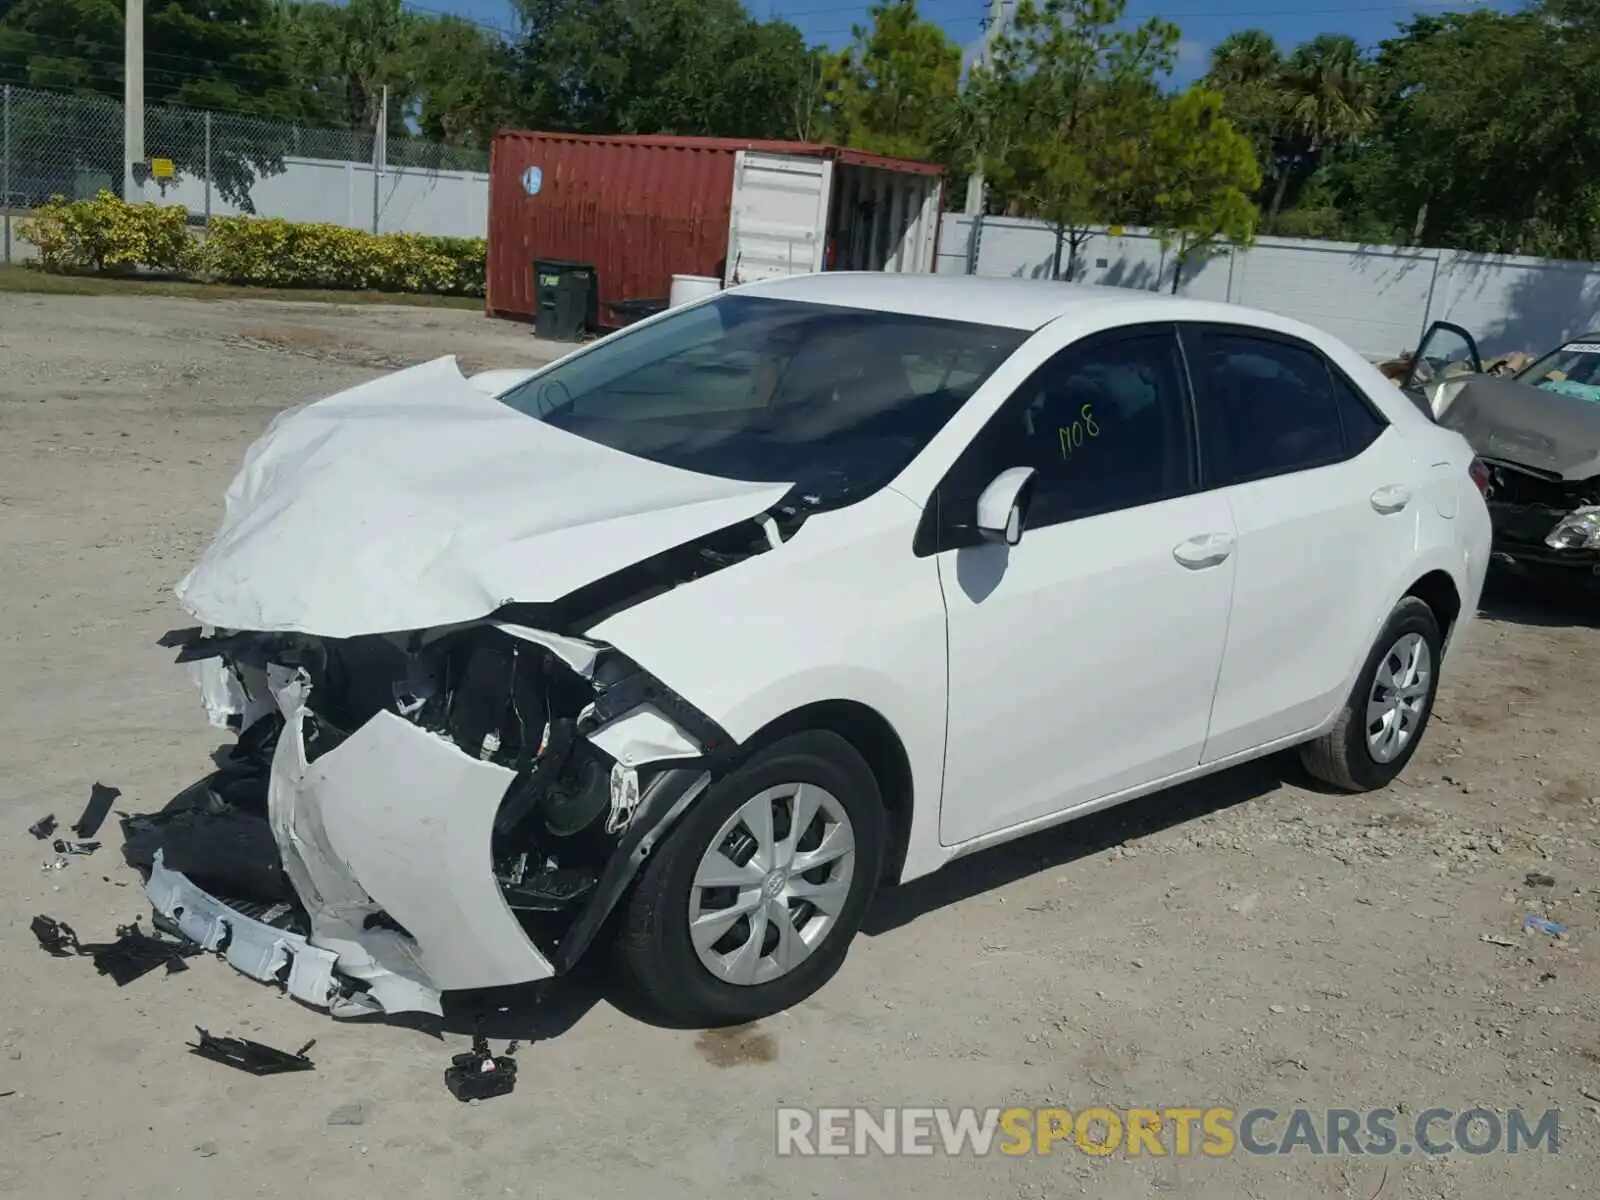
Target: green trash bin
(567,299)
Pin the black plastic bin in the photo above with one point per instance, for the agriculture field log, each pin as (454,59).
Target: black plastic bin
(567,299)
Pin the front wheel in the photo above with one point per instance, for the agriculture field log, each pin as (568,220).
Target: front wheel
(751,903)
(1384,718)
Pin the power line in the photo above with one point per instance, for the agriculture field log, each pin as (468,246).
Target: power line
(503,30)
(1236,15)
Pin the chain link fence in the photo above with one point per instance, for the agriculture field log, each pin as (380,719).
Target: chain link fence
(67,145)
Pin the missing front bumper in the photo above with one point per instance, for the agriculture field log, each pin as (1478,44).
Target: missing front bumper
(388,840)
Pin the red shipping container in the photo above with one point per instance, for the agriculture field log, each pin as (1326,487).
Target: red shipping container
(643,209)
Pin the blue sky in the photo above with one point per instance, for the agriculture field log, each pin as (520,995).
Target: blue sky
(1204,22)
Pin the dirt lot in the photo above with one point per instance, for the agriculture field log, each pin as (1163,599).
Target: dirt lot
(1246,942)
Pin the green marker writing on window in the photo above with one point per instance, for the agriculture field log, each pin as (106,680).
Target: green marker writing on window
(1073,436)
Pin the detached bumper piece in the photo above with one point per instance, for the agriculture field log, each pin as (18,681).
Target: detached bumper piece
(252,947)
(253,1058)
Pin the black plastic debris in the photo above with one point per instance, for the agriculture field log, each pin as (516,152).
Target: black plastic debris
(55,936)
(65,847)
(173,638)
(43,827)
(101,798)
(136,953)
(480,1075)
(253,1057)
(222,849)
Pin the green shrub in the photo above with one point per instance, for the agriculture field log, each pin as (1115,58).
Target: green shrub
(107,234)
(285,254)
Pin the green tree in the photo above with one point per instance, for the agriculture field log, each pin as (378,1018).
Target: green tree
(1247,71)
(1490,127)
(461,77)
(1299,112)
(1077,91)
(660,66)
(216,53)
(223,54)
(1329,105)
(894,90)
(1206,173)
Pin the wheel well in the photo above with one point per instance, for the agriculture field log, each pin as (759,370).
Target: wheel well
(1438,591)
(876,741)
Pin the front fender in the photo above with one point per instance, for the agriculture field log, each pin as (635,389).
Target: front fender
(841,611)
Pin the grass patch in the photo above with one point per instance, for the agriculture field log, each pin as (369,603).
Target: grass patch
(25,279)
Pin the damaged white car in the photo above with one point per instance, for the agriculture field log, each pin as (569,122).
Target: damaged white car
(691,639)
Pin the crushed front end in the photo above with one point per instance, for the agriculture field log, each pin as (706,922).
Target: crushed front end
(404,815)
(1545,525)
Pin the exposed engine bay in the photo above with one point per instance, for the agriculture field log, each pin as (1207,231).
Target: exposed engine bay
(1544,521)
(417,813)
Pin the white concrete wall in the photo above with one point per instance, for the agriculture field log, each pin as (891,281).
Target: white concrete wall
(410,199)
(1379,299)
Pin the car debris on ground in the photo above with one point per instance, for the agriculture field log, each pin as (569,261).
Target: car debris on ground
(132,956)
(254,1058)
(95,812)
(1540,924)
(43,827)
(481,1075)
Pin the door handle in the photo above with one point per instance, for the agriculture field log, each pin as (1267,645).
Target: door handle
(1391,499)
(1207,550)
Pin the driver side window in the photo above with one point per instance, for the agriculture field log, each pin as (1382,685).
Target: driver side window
(1106,425)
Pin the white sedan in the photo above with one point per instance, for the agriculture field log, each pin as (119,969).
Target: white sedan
(693,639)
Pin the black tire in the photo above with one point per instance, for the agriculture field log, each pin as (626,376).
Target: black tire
(1341,757)
(653,945)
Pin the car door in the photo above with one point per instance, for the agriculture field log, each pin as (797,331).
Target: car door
(1083,659)
(1446,351)
(1325,497)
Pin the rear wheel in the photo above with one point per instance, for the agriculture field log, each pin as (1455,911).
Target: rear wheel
(752,901)
(1388,710)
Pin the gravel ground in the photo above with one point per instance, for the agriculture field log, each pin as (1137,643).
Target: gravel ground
(1245,941)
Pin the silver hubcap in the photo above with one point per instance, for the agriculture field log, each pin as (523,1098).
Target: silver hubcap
(1399,692)
(772,884)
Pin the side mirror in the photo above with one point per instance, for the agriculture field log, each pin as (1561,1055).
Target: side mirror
(1003,506)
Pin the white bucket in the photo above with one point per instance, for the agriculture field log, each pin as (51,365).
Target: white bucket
(691,287)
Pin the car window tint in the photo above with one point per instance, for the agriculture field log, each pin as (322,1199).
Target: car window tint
(1362,424)
(1272,404)
(833,400)
(1105,426)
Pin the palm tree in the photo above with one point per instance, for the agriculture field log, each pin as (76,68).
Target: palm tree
(1246,59)
(1248,70)
(1329,102)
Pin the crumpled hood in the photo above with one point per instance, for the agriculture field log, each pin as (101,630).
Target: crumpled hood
(416,500)
(1519,423)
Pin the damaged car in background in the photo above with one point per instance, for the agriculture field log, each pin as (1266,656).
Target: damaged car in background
(1537,431)
(686,642)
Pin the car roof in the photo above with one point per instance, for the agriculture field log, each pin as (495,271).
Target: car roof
(1013,303)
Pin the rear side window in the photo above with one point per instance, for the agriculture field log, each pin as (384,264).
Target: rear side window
(1273,407)
(1362,425)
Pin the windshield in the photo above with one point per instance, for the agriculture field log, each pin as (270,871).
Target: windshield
(835,400)
(1573,370)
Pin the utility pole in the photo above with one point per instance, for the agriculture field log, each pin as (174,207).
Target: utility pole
(380,154)
(132,96)
(997,16)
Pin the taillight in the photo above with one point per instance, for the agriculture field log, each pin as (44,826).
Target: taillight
(1480,475)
